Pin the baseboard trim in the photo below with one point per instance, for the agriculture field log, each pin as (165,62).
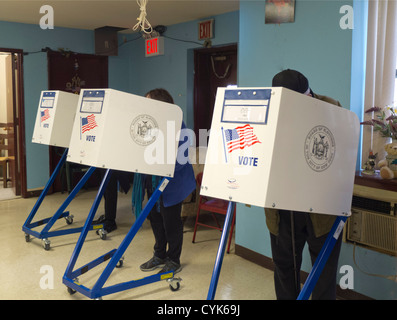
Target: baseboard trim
(266,262)
(34,192)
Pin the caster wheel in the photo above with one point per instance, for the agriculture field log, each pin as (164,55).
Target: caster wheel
(46,244)
(102,234)
(69,219)
(27,237)
(175,286)
(174,283)
(71,291)
(120,263)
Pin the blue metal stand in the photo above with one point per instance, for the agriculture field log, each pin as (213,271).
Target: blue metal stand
(221,251)
(322,258)
(115,255)
(45,233)
(315,272)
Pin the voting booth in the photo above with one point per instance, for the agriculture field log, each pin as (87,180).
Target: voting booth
(54,123)
(121,131)
(276,148)
(55,117)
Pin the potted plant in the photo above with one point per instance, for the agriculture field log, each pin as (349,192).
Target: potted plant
(385,122)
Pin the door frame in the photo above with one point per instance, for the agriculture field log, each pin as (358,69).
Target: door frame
(19,122)
(200,74)
(54,155)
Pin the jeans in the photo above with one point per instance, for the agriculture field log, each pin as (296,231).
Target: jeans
(167,228)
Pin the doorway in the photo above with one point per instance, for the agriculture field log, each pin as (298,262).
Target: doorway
(12,129)
(71,72)
(213,67)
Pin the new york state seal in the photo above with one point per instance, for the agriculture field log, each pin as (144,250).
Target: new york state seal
(319,149)
(144,130)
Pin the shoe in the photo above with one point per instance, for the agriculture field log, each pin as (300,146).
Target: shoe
(171,266)
(100,220)
(108,225)
(152,264)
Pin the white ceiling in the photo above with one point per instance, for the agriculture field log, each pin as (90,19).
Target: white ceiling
(91,14)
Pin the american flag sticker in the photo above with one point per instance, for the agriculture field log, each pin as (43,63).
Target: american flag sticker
(88,123)
(240,138)
(44,115)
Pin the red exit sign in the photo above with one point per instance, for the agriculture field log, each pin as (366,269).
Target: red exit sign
(206,29)
(154,47)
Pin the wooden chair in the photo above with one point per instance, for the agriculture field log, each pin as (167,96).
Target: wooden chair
(3,165)
(4,158)
(213,206)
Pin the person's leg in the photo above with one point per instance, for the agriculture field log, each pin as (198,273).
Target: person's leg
(160,245)
(325,288)
(110,204)
(157,223)
(110,198)
(282,251)
(173,227)
(167,228)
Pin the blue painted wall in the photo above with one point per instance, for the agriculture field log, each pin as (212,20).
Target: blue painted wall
(130,71)
(314,44)
(31,38)
(174,70)
(334,62)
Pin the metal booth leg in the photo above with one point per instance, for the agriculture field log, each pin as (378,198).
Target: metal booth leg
(115,255)
(88,222)
(322,258)
(46,188)
(221,251)
(69,199)
(44,234)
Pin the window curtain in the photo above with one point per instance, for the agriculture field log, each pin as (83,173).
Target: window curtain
(380,69)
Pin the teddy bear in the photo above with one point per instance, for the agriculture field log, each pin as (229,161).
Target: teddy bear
(388,167)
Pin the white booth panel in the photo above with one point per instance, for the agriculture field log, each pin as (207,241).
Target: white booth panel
(55,117)
(234,173)
(299,154)
(122,131)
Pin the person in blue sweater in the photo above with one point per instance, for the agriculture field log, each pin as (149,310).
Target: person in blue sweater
(165,217)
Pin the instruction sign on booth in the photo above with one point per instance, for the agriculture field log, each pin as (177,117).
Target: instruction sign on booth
(121,131)
(276,148)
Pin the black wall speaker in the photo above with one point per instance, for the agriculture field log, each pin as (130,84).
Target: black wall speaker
(106,43)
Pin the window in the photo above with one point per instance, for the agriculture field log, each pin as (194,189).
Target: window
(395,87)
